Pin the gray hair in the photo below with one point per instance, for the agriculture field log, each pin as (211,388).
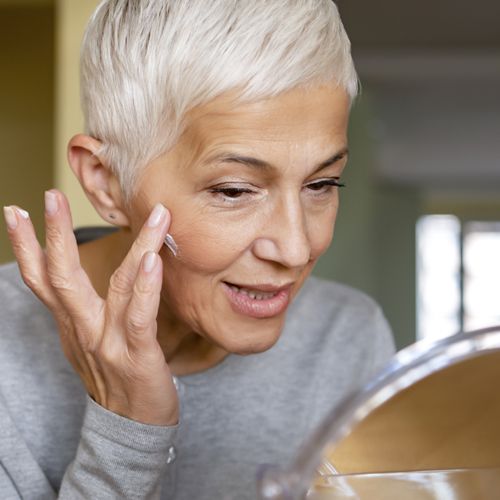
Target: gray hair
(146,63)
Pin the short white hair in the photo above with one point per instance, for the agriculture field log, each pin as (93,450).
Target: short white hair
(146,63)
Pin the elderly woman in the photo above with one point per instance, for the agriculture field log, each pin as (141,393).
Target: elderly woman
(219,128)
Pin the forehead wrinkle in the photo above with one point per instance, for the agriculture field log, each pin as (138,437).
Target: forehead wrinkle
(221,129)
(247,121)
(263,165)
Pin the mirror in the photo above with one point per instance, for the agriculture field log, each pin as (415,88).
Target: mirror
(426,428)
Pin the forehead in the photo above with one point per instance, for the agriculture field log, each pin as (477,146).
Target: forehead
(304,118)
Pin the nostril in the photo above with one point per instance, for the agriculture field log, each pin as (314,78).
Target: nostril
(287,251)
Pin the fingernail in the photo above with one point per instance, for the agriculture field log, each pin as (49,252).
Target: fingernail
(149,262)
(25,215)
(156,215)
(51,205)
(10,217)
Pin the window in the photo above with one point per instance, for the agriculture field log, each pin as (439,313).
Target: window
(458,275)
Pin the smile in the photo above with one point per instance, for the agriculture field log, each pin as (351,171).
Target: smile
(253,294)
(260,301)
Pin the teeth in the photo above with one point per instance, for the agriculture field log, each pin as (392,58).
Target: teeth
(253,294)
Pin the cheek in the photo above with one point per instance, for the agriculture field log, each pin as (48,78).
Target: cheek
(210,243)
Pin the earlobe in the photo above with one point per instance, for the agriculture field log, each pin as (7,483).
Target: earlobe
(97,180)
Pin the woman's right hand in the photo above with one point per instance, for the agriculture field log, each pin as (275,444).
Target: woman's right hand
(111,343)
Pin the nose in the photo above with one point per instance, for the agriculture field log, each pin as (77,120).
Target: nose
(284,236)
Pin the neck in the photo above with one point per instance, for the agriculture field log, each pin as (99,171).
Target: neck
(185,351)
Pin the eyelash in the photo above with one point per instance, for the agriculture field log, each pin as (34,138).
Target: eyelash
(228,191)
(233,193)
(329,182)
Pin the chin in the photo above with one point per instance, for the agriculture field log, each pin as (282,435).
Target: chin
(249,337)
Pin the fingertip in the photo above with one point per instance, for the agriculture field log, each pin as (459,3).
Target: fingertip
(23,213)
(56,204)
(51,202)
(157,215)
(10,217)
(12,214)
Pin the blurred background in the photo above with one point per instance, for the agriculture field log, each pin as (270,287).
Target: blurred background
(419,226)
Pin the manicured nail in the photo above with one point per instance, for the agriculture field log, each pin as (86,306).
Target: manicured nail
(149,262)
(25,215)
(10,217)
(157,215)
(51,205)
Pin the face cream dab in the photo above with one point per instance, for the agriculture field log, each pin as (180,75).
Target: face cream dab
(171,244)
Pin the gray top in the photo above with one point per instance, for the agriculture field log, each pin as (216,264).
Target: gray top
(55,442)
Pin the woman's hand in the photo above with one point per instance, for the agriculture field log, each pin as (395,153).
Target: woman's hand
(111,343)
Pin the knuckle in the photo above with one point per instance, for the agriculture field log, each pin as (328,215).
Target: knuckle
(31,280)
(108,355)
(60,282)
(143,242)
(19,247)
(137,322)
(119,282)
(54,237)
(142,289)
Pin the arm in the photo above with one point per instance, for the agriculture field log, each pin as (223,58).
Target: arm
(118,458)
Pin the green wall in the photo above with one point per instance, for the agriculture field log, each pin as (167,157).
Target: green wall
(374,243)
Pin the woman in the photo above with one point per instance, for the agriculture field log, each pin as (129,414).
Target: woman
(221,126)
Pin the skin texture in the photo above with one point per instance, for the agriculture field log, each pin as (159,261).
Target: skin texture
(260,214)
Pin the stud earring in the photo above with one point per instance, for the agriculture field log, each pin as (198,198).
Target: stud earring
(112,216)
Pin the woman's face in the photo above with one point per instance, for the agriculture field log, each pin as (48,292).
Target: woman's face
(251,189)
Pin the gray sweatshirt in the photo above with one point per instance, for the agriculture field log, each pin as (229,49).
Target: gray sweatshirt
(55,442)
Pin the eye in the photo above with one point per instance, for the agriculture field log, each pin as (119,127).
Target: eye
(325,185)
(230,192)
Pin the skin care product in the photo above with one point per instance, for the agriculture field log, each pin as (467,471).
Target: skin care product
(171,244)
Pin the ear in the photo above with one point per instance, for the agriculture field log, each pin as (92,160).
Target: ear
(99,183)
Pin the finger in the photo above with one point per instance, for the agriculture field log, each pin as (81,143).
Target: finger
(69,281)
(143,306)
(150,239)
(30,256)
(33,267)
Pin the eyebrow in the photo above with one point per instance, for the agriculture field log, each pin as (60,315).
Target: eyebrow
(263,165)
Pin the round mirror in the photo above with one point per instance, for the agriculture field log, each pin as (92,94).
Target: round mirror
(426,428)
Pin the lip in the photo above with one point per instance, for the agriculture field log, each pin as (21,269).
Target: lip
(263,287)
(259,308)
